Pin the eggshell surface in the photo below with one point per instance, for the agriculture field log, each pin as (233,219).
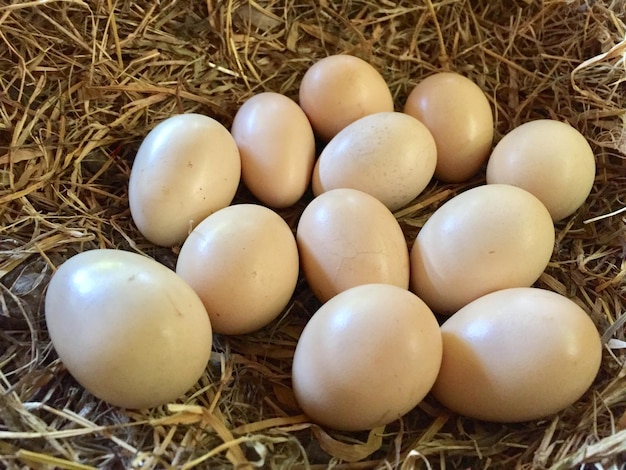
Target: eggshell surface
(391,156)
(186,168)
(548,158)
(366,357)
(459,116)
(243,263)
(487,238)
(277,148)
(517,355)
(338,90)
(127,328)
(346,238)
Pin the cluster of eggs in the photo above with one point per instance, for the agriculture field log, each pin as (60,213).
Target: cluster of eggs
(138,334)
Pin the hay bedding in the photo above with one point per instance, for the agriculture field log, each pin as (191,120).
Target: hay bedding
(83,82)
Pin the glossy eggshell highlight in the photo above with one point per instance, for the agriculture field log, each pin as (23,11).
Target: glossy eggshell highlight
(458,114)
(243,263)
(339,89)
(487,238)
(391,156)
(346,238)
(277,148)
(366,357)
(186,168)
(517,355)
(550,159)
(127,328)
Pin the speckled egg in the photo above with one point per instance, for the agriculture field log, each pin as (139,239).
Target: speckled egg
(391,156)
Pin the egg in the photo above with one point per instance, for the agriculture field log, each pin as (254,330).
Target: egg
(487,238)
(127,328)
(346,238)
(391,156)
(186,168)
(243,263)
(338,90)
(517,354)
(548,158)
(459,116)
(366,357)
(277,148)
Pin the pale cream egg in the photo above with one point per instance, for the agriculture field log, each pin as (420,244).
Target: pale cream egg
(186,168)
(127,328)
(517,354)
(549,159)
(487,238)
(243,263)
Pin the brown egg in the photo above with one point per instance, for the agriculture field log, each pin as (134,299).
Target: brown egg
(243,263)
(127,328)
(186,168)
(340,89)
(277,148)
(366,357)
(391,156)
(550,159)
(459,116)
(487,238)
(346,238)
(517,355)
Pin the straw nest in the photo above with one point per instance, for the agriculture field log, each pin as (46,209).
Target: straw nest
(83,82)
